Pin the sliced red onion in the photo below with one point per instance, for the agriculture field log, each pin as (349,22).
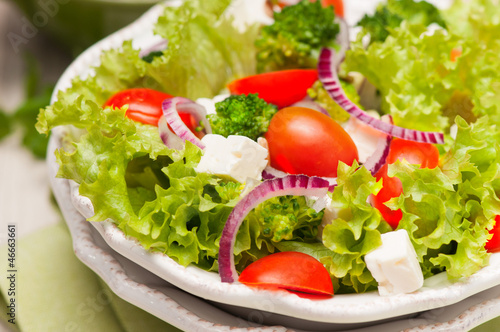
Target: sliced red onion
(270,173)
(375,162)
(343,40)
(298,185)
(327,74)
(172,106)
(167,136)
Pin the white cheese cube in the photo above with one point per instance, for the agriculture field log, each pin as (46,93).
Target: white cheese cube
(238,157)
(394,264)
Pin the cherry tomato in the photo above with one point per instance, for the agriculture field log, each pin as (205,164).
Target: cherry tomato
(392,187)
(424,154)
(338,5)
(305,141)
(493,244)
(281,88)
(455,53)
(290,270)
(145,107)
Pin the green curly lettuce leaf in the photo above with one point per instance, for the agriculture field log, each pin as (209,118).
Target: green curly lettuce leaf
(205,50)
(420,84)
(151,192)
(475,19)
(448,210)
(347,238)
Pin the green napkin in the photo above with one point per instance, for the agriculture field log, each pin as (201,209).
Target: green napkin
(56,292)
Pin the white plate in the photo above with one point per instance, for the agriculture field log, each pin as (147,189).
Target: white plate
(147,291)
(341,311)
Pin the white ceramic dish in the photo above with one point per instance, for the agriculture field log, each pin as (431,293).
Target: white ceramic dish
(147,291)
(339,312)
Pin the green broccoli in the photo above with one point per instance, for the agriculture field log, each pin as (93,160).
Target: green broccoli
(318,93)
(390,15)
(245,115)
(296,37)
(287,218)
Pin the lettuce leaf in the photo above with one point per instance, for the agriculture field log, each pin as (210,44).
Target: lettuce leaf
(357,229)
(205,51)
(131,177)
(420,84)
(448,210)
(408,70)
(348,237)
(476,19)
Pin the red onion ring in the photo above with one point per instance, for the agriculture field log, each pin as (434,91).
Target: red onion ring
(170,139)
(270,173)
(299,185)
(171,107)
(327,74)
(343,40)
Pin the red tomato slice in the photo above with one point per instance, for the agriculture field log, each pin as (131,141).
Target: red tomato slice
(424,154)
(290,270)
(281,88)
(305,141)
(493,244)
(144,105)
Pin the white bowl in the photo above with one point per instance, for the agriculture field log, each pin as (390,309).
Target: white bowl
(112,260)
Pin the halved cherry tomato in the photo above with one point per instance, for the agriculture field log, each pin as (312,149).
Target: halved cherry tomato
(305,141)
(281,88)
(290,270)
(455,53)
(424,154)
(338,5)
(392,187)
(493,244)
(144,105)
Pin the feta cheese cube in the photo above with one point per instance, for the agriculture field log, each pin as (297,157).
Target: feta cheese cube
(238,157)
(394,264)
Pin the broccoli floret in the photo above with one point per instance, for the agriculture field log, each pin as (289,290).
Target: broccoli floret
(287,218)
(390,15)
(318,93)
(296,37)
(245,115)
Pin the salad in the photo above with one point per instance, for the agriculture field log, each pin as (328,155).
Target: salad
(247,149)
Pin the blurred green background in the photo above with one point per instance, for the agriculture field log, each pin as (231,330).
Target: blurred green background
(77,24)
(50,34)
